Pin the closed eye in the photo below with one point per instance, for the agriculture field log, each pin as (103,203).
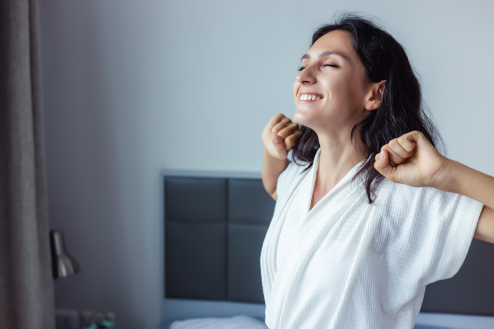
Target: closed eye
(303,67)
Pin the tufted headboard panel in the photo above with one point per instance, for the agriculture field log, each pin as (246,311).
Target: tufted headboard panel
(214,230)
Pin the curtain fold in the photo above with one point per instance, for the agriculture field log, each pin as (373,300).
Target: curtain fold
(26,284)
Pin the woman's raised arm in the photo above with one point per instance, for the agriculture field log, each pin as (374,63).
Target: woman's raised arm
(412,160)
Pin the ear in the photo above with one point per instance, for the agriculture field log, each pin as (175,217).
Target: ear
(374,95)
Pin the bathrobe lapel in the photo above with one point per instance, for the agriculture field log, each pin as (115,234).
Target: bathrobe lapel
(309,236)
(268,251)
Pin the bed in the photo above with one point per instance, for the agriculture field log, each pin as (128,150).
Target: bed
(215,223)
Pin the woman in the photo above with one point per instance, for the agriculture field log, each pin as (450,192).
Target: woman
(374,212)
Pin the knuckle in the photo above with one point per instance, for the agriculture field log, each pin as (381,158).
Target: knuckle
(276,118)
(292,139)
(282,134)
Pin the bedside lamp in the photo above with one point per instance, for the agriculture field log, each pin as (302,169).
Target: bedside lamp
(63,264)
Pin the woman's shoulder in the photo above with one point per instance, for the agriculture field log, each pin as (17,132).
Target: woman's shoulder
(296,168)
(400,197)
(394,193)
(397,190)
(290,173)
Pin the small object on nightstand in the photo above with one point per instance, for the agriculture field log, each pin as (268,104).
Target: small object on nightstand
(105,323)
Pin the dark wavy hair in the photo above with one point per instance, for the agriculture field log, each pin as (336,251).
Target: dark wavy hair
(401,109)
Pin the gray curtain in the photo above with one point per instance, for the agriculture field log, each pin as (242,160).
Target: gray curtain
(26,284)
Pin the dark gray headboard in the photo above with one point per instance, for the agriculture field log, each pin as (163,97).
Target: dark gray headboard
(214,229)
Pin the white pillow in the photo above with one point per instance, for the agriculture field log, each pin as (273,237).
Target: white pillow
(236,322)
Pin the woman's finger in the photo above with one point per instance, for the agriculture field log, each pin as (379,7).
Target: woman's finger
(397,147)
(391,163)
(392,155)
(279,145)
(280,125)
(275,119)
(292,139)
(288,130)
(407,141)
(383,165)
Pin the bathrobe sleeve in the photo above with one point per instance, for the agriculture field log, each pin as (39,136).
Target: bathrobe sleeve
(446,225)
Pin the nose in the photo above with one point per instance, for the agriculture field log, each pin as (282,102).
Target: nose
(306,76)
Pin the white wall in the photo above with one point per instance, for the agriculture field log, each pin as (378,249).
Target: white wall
(135,87)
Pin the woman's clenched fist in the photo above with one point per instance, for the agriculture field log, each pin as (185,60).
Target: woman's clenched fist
(280,135)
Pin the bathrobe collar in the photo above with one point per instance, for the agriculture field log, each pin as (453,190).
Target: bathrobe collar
(277,280)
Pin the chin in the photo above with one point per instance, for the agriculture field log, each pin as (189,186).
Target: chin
(303,118)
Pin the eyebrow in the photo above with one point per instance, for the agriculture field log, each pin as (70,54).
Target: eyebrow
(326,53)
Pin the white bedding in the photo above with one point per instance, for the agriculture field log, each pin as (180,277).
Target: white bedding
(236,322)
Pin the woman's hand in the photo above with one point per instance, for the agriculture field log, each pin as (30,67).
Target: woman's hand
(280,135)
(412,160)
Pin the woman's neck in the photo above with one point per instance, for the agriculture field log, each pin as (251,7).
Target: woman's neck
(336,159)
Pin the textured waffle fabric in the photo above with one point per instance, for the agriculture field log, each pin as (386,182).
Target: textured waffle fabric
(348,264)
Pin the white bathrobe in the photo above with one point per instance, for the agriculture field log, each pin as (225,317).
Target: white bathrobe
(346,264)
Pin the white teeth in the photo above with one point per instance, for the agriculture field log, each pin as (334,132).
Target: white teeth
(309,97)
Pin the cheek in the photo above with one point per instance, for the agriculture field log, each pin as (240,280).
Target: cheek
(342,91)
(337,89)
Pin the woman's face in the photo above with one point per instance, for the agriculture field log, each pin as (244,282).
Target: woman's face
(332,71)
